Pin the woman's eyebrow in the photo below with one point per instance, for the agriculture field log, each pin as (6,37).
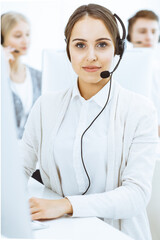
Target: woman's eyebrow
(84,40)
(79,39)
(101,39)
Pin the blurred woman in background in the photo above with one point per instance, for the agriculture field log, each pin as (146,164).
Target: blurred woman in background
(25,81)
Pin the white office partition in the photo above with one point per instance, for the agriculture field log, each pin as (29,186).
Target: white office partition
(15,217)
(57,72)
(153,208)
(135,70)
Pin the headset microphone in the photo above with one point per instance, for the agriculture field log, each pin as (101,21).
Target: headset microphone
(106,74)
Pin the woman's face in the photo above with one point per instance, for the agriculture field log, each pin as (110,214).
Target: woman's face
(145,33)
(91,49)
(18,37)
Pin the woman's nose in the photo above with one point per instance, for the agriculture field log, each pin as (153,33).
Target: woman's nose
(25,39)
(91,54)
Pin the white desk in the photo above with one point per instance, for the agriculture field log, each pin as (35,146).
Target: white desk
(72,228)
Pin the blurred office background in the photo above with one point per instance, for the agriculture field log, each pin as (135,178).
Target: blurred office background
(49,17)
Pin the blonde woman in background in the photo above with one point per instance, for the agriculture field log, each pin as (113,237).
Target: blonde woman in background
(25,80)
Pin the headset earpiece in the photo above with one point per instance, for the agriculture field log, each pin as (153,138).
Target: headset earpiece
(120,42)
(120,46)
(2,40)
(128,38)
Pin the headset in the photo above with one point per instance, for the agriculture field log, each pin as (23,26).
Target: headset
(120,48)
(129,39)
(2,39)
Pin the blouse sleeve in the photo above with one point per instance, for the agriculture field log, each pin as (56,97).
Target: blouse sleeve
(31,139)
(133,195)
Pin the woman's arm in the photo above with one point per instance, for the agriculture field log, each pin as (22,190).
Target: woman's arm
(49,209)
(31,140)
(133,195)
(123,202)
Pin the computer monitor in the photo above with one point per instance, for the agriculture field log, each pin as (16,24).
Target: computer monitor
(15,216)
(135,70)
(57,72)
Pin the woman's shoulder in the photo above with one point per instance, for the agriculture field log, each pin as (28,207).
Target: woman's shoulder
(55,98)
(33,69)
(34,72)
(134,101)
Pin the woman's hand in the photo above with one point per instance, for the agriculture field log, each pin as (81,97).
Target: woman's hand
(8,53)
(49,209)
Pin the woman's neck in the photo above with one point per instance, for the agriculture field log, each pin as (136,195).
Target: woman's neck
(88,90)
(16,65)
(17,71)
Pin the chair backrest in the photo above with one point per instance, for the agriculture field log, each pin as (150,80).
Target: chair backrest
(135,70)
(153,208)
(57,72)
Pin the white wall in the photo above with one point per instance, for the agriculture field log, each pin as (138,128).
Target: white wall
(48,19)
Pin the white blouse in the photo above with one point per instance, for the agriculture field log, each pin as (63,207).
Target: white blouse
(131,147)
(67,147)
(24,91)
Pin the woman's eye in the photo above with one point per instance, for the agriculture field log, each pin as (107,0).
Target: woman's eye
(102,45)
(18,36)
(80,45)
(142,31)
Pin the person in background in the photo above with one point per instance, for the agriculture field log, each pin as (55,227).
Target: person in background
(143,29)
(95,142)
(25,81)
(144,32)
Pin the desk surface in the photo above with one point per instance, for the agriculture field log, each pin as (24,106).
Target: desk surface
(72,228)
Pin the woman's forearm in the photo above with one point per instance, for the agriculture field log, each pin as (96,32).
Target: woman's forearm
(49,209)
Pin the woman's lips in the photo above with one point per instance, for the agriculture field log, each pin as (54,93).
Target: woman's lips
(91,68)
(24,48)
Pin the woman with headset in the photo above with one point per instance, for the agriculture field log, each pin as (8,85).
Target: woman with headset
(95,142)
(25,80)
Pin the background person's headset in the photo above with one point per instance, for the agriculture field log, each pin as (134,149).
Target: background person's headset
(2,38)
(119,50)
(129,39)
